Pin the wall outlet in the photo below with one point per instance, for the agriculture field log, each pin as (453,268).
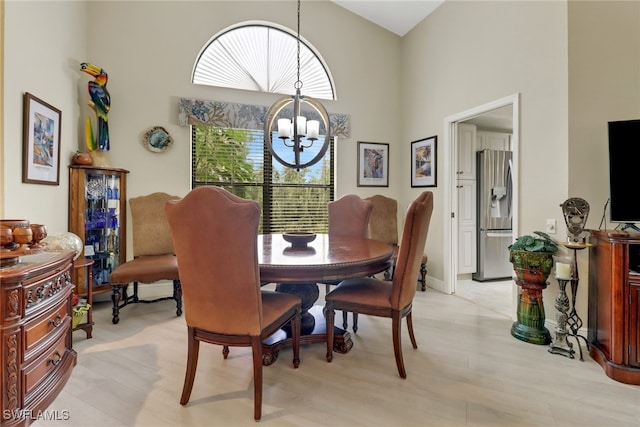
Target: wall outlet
(551,226)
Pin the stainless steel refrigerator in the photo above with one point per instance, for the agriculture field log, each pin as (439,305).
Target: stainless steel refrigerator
(494,202)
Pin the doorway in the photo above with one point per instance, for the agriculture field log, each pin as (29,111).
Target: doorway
(491,115)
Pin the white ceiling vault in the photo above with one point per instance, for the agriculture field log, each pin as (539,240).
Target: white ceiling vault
(397,16)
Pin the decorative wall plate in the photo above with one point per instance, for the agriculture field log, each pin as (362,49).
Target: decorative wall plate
(157,139)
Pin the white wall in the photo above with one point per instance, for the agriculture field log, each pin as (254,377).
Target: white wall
(44,41)
(150,62)
(576,65)
(471,53)
(148,50)
(395,89)
(150,59)
(604,85)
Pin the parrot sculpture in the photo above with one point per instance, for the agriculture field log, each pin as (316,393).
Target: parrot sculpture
(100,103)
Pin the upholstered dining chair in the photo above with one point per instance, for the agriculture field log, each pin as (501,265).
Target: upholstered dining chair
(383,226)
(153,254)
(215,236)
(375,297)
(349,216)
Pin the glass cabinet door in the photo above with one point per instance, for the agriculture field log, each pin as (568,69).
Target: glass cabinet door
(97,214)
(102,226)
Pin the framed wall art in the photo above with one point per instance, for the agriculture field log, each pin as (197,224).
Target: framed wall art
(41,142)
(424,162)
(373,164)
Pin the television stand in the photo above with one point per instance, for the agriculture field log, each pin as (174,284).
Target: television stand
(629,225)
(614,304)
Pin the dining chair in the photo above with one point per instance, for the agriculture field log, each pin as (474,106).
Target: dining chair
(153,254)
(215,236)
(383,226)
(375,297)
(349,216)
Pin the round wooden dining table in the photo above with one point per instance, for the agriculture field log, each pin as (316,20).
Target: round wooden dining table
(299,270)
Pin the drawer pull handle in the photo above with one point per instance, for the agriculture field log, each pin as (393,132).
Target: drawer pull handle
(57,322)
(55,362)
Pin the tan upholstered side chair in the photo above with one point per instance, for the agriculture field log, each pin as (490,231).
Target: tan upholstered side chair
(375,297)
(215,235)
(349,216)
(153,254)
(383,226)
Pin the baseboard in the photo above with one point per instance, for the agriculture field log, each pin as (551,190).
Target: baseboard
(435,284)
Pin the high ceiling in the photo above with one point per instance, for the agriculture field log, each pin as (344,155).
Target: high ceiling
(397,16)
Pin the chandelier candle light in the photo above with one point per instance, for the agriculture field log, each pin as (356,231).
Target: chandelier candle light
(297,133)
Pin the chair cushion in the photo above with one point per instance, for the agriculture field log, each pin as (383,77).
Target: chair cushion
(365,290)
(274,304)
(146,269)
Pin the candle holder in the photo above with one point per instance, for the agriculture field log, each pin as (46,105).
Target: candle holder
(575,211)
(564,267)
(573,319)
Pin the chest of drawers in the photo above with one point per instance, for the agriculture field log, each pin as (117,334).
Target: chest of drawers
(36,347)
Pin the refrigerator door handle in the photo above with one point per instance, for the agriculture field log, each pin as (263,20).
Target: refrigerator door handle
(499,234)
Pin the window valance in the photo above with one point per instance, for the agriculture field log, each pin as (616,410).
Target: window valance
(241,116)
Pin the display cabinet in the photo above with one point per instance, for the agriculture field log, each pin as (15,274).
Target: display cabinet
(97,214)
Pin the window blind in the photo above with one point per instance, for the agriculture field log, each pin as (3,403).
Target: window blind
(237,160)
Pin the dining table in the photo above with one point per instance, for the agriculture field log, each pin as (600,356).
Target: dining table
(298,269)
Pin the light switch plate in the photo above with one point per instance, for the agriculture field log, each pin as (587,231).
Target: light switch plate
(551,226)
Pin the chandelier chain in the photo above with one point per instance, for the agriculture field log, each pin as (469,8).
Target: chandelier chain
(298,84)
(292,136)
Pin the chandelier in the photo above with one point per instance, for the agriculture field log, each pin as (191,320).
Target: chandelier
(296,133)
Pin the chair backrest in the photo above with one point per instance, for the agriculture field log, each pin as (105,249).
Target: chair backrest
(349,216)
(151,233)
(414,236)
(215,236)
(383,224)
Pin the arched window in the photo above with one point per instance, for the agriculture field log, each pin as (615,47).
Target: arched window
(227,142)
(262,57)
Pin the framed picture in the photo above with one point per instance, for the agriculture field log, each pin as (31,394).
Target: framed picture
(424,160)
(373,164)
(41,142)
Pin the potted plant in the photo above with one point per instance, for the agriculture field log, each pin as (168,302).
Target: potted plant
(532,257)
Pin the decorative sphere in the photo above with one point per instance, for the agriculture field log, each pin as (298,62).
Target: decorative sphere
(64,241)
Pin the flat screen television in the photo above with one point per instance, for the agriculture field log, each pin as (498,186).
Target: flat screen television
(624,165)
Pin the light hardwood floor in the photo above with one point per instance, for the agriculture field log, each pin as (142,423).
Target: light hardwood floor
(467,371)
(496,296)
